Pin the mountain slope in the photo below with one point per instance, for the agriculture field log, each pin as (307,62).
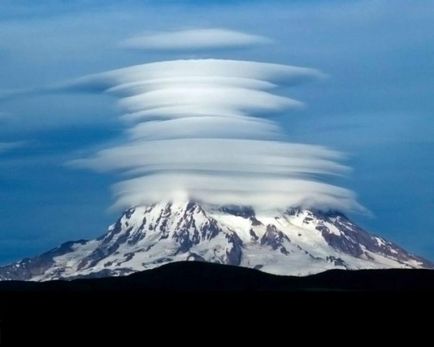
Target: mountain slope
(292,242)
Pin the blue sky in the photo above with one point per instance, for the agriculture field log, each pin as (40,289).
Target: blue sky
(377,104)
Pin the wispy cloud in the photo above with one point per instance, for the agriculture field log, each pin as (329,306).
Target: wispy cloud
(8,146)
(4,115)
(194,39)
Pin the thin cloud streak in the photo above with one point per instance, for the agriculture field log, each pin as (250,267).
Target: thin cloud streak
(195,39)
(8,146)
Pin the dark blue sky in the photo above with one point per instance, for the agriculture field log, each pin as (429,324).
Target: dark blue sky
(377,104)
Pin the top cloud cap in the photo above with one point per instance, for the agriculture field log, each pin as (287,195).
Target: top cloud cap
(212,38)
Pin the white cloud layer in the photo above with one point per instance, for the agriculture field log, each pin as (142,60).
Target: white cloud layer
(198,129)
(195,39)
(262,192)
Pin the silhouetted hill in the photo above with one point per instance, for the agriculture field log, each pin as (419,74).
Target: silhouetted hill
(196,296)
(200,276)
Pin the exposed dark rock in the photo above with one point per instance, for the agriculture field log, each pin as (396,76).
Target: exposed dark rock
(128,256)
(161,221)
(273,237)
(293,211)
(164,236)
(191,206)
(109,235)
(254,221)
(307,220)
(353,237)
(336,261)
(253,235)
(137,236)
(106,248)
(210,230)
(163,260)
(128,213)
(188,233)
(283,250)
(340,243)
(234,254)
(239,211)
(184,241)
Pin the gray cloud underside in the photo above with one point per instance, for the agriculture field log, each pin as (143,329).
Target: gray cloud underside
(194,130)
(208,127)
(194,39)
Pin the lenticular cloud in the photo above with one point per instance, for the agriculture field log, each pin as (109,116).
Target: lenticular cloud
(211,38)
(200,129)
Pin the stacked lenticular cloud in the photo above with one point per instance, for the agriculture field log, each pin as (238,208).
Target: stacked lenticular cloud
(200,129)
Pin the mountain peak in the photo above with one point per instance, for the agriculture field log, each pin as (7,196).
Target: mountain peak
(295,241)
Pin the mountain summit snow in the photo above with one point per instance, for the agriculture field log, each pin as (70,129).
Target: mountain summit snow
(289,242)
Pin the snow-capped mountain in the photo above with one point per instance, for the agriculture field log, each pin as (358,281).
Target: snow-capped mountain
(291,242)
